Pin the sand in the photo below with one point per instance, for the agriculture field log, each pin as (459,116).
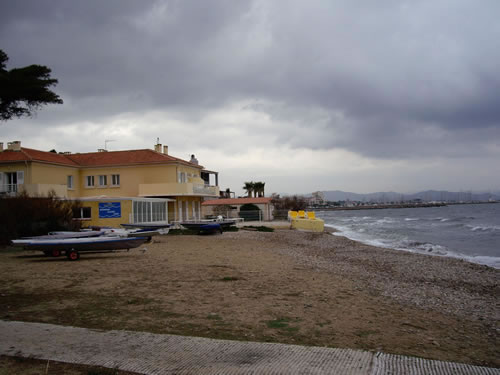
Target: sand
(286,286)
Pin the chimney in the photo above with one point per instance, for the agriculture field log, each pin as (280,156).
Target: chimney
(165,150)
(1,146)
(102,150)
(193,160)
(14,146)
(158,147)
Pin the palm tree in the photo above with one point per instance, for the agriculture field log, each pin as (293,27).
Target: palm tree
(259,189)
(249,187)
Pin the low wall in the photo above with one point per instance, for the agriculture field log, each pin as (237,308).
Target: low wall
(314,225)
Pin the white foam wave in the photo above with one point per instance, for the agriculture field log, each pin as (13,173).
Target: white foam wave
(416,247)
(483,228)
(411,219)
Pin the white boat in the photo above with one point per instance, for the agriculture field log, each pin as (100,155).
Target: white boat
(73,246)
(67,234)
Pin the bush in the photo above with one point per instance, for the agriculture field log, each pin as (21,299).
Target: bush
(24,216)
(294,203)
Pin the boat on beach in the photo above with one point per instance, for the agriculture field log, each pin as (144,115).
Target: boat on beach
(97,240)
(73,246)
(148,226)
(67,234)
(197,224)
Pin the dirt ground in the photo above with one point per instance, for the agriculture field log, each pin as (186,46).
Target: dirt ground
(287,286)
(30,366)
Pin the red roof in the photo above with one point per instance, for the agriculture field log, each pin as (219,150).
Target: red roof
(95,159)
(216,202)
(92,159)
(28,154)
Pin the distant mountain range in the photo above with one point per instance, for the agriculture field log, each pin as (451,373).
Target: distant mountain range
(427,196)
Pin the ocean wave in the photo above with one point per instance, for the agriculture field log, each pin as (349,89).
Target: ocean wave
(483,228)
(385,220)
(454,219)
(416,247)
(425,247)
(411,219)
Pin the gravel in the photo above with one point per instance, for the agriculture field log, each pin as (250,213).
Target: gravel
(449,285)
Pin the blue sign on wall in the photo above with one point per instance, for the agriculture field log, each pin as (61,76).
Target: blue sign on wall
(110,210)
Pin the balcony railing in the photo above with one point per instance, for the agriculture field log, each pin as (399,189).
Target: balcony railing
(8,188)
(34,189)
(169,189)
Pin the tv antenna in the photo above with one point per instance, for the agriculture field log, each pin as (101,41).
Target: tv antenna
(106,143)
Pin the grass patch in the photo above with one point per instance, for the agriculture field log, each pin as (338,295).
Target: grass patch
(229,278)
(278,323)
(283,324)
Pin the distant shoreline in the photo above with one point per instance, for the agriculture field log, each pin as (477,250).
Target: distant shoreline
(385,206)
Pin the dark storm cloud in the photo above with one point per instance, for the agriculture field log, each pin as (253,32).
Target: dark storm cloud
(388,79)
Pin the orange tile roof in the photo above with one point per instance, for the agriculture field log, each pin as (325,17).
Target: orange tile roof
(28,154)
(131,157)
(216,202)
(93,159)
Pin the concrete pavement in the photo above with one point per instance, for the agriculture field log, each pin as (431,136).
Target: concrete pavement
(149,353)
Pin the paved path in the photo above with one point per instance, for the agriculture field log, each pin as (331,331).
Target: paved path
(149,353)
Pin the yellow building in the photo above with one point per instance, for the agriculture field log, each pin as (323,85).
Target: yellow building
(115,187)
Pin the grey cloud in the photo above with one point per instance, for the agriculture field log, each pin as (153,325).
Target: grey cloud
(391,79)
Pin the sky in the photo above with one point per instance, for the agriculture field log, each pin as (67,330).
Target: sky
(361,96)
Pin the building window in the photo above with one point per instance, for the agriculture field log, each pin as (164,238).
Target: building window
(182,177)
(147,212)
(70,182)
(10,180)
(115,180)
(82,213)
(103,180)
(89,181)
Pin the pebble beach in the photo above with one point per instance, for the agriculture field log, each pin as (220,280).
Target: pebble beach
(285,286)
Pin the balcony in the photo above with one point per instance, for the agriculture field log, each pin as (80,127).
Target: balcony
(178,189)
(8,189)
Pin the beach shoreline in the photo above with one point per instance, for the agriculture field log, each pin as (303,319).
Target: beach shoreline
(286,286)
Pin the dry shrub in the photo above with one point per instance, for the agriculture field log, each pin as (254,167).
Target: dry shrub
(23,216)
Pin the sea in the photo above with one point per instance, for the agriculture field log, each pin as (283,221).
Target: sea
(466,231)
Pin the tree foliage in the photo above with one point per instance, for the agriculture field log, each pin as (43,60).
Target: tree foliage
(257,188)
(24,90)
(295,202)
(23,215)
(248,186)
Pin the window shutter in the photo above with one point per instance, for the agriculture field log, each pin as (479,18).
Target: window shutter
(20,177)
